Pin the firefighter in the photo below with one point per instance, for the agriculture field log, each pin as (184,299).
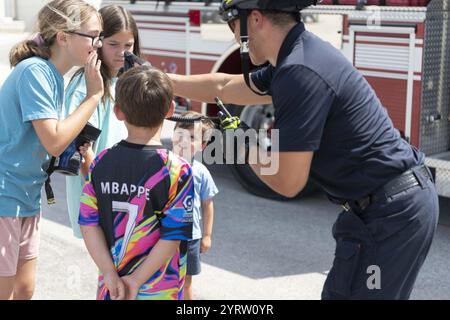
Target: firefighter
(333,129)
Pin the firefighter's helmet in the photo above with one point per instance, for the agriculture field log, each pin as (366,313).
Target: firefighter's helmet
(229,9)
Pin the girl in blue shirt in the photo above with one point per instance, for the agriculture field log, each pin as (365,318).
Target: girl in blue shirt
(121,34)
(30,130)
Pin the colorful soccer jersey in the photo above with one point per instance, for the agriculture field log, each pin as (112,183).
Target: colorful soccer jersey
(139,194)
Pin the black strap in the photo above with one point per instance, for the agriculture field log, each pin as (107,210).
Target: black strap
(215,120)
(48,188)
(245,56)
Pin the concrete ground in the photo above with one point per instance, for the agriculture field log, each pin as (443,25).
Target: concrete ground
(262,249)
(253,256)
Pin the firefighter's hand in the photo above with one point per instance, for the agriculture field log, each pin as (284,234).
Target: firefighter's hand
(229,123)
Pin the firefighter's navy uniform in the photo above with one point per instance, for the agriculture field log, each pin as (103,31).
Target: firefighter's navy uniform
(323,104)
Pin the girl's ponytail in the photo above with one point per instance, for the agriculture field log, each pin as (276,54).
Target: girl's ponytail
(27,49)
(56,16)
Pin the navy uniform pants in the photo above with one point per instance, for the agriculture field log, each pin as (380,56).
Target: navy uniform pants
(380,250)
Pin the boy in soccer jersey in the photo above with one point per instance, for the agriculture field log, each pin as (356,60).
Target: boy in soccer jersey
(136,207)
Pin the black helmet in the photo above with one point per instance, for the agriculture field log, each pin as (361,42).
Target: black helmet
(229,9)
(234,9)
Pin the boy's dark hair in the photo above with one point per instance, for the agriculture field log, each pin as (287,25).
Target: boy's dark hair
(144,95)
(207,125)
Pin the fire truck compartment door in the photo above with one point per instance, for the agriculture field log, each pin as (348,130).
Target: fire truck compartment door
(387,55)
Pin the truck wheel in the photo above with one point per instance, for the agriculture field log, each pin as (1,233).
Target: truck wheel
(259,117)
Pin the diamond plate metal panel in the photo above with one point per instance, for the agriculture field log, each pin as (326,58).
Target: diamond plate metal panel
(441,164)
(434,125)
(435,128)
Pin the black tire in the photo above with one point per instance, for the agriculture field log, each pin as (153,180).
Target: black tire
(257,117)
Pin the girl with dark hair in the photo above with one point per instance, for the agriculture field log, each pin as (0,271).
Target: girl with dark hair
(120,35)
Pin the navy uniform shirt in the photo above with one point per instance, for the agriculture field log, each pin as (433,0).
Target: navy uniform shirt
(323,104)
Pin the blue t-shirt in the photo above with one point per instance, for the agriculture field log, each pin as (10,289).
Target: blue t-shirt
(323,104)
(34,90)
(204,189)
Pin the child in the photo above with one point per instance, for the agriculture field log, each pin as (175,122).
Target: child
(137,203)
(188,139)
(30,105)
(120,34)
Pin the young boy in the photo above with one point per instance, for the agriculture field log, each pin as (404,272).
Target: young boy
(137,203)
(188,139)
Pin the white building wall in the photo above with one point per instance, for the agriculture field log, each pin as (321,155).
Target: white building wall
(2,9)
(10,8)
(27,11)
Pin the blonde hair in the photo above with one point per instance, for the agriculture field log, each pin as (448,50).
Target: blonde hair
(56,16)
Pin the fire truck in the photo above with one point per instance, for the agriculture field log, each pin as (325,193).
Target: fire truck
(402,47)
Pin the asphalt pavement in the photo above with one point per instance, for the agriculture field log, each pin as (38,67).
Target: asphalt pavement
(262,249)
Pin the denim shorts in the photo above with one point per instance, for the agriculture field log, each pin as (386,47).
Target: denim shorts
(193,257)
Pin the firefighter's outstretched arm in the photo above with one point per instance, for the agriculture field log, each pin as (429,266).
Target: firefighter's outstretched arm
(205,87)
(285,172)
(292,174)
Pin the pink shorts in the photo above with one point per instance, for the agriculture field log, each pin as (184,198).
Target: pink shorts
(19,240)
